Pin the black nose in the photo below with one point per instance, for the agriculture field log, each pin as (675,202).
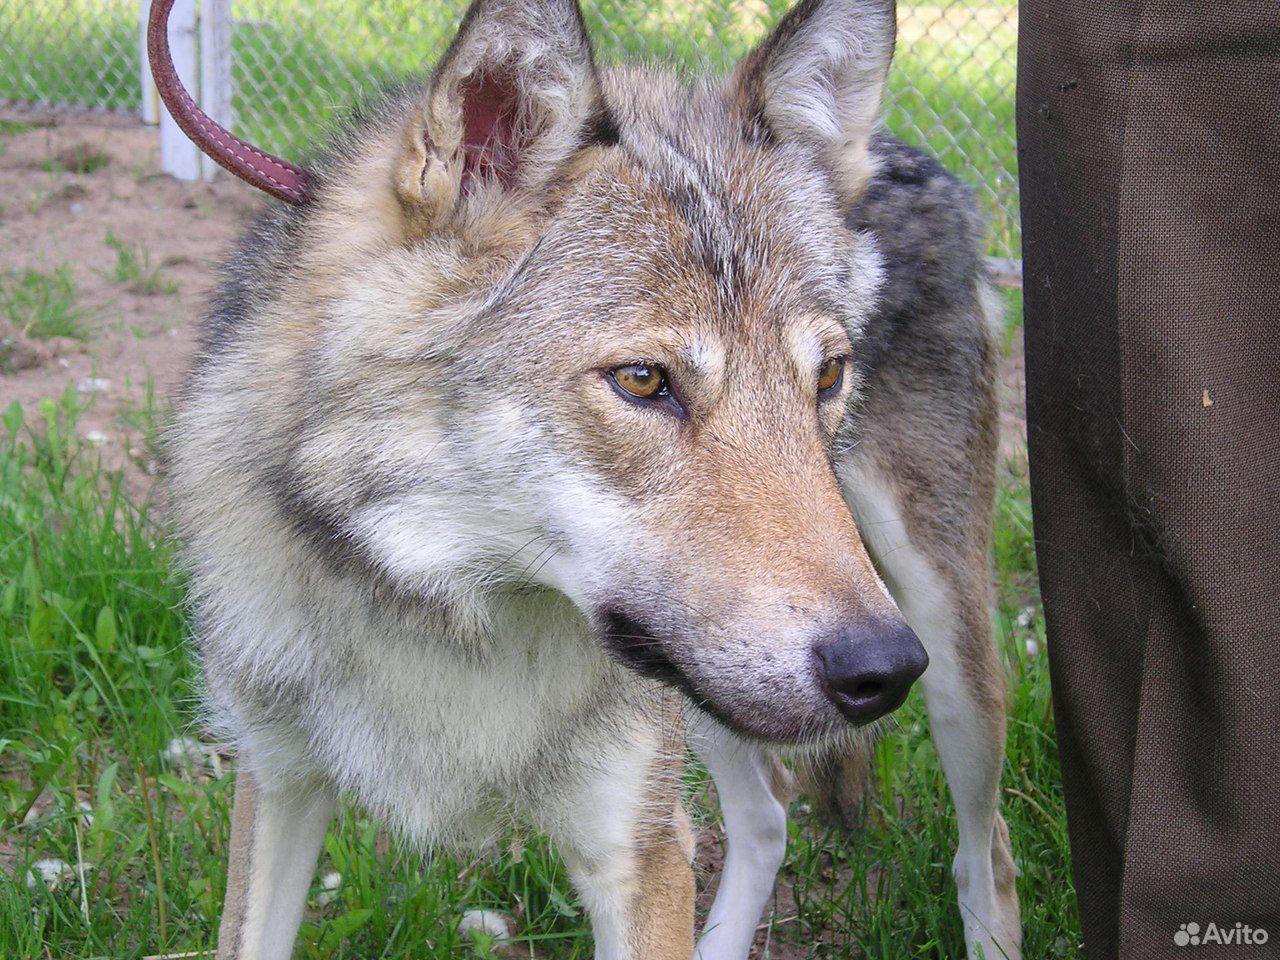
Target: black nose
(867,668)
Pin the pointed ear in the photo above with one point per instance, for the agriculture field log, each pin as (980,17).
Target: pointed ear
(515,95)
(819,78)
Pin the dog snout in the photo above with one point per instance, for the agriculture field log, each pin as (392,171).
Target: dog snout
(867,668)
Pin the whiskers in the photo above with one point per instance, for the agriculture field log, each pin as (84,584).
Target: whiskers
(515,568)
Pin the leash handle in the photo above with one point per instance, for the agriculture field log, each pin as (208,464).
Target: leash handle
(281,179)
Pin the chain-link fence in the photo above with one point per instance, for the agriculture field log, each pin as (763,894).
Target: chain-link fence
(297,64)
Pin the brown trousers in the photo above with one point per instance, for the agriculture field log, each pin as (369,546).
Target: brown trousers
(1149,140)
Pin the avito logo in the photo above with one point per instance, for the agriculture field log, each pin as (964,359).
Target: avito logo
(1191,935)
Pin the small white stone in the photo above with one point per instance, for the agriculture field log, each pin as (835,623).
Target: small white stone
(86,813)
(184,752)
(51,872)
(489,922)
(94,385)
(330,884)
(1026,617)
(1033,647)
(96,437)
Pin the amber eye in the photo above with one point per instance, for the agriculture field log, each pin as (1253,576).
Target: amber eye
(643,380)
(831,376)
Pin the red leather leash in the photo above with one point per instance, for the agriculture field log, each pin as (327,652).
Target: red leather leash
(277,177)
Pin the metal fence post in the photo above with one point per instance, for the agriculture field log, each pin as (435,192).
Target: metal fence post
(215,69)
(150,97)
(179,157)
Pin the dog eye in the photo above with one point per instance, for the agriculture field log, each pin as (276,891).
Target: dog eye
(831,376)
(642,380)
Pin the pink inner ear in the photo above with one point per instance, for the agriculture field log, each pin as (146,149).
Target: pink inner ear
(490,111)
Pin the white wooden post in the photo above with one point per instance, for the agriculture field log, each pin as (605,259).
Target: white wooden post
(215,68)
(179,157)
(150,97)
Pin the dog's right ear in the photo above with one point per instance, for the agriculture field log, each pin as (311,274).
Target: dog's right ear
(516,95)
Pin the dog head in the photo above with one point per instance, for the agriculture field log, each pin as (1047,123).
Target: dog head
(597,331)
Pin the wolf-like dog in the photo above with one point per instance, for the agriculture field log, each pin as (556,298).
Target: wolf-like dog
(579,405)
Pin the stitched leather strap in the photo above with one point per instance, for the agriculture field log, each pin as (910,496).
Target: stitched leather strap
(277,177)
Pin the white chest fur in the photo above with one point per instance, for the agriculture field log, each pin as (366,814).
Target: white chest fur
(447,741)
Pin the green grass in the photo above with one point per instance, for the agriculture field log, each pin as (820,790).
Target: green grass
(9,128)
(80,158)
(42,304)
(133,268)
(298,66)
(96,682)
(81,53)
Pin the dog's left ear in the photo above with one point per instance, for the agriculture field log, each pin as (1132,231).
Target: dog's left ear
(818,79)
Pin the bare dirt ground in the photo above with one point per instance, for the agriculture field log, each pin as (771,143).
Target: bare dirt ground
(138,340)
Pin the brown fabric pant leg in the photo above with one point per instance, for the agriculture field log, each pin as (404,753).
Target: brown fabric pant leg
(1150,164)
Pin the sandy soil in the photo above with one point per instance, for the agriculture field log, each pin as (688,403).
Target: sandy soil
(50,216)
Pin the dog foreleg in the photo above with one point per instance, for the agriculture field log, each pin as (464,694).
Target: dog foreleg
(755,823)
(641,899)
(964,698)
(626,842)
(276,837)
